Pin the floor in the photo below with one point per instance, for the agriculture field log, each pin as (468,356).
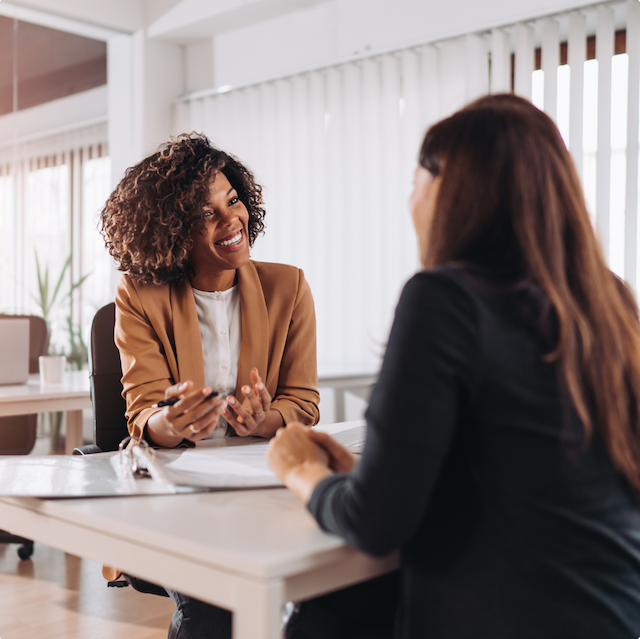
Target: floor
(54,595)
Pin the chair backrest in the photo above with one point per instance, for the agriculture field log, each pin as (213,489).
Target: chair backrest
(38,338)
(18,433)
(109,421)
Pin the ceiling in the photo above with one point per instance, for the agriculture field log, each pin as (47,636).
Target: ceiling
(180,21)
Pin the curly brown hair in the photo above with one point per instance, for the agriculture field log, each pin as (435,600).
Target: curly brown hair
(148,219)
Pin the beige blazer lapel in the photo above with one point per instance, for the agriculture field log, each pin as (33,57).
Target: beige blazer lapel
(187,334)
(254,345)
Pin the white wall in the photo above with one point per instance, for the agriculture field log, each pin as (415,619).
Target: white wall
(121,105)
(339,29)
(198,65)
(144,78)
(157,79)
(73,111)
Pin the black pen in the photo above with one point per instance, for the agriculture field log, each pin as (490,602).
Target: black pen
(172,400)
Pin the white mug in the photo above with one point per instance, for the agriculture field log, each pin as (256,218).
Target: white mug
(52,368)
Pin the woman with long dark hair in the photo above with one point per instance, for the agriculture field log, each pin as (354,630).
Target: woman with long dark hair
(503,447)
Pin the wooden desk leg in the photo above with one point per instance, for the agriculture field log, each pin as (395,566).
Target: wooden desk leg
(259,615)
(74,431)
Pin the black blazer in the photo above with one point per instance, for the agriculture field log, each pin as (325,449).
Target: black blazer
(473,467)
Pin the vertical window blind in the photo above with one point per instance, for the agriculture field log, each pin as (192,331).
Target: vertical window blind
(51,190)
(335,149)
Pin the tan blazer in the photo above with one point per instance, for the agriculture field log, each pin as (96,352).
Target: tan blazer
(158,335)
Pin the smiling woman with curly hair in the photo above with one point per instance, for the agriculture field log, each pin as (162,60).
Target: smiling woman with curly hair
(199,325)
(148,219)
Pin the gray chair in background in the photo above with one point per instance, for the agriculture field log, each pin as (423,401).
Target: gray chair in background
(18,432)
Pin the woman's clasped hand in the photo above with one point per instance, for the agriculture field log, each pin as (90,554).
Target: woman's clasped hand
(301,457)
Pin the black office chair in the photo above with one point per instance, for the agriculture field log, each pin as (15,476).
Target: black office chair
(109,421)
(18,433)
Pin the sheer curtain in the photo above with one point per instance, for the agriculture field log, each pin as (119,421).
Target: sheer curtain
(335,149)
(50,193)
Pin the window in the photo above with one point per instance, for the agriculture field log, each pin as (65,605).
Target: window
(49,207)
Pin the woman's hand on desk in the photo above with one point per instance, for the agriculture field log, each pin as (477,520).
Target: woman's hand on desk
(341,459)
(254,416)
(298,461)
(193,417)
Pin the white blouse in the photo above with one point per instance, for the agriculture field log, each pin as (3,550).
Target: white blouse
(220,331)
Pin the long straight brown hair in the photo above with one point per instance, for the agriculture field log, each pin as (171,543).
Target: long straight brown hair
(510,200)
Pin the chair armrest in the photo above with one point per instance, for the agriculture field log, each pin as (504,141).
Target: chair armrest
(87,449)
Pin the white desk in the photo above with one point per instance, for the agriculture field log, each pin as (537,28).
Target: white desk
(71,396)
(248,551)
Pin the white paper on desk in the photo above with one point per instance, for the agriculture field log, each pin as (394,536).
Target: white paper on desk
(63,476)
(223,466)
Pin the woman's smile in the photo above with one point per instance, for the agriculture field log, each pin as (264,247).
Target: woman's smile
(231,240)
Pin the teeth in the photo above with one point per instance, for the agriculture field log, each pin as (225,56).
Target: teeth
(232,240)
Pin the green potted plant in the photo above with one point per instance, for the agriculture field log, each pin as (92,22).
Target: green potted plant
(77,352)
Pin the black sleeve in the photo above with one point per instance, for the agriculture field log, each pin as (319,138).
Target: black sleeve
(428,374)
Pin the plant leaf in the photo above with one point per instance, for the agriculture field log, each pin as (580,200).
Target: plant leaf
(60,280)
(78,284)
(43,289)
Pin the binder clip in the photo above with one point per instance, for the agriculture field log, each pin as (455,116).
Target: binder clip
(137,460)
(134,460)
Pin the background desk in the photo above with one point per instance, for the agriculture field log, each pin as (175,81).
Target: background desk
(352,379)
(248,551)
(71,396)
